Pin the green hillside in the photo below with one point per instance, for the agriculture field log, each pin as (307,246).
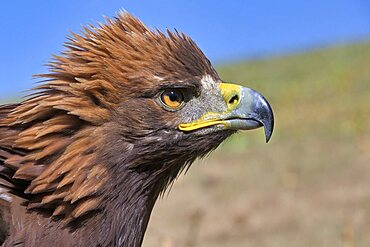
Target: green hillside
(308,187)
(325,93)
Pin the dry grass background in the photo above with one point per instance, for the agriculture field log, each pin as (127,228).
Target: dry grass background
(309,187)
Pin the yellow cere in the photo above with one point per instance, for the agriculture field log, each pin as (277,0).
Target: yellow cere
(231,94)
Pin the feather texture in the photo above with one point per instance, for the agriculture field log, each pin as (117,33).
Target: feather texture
(81,159)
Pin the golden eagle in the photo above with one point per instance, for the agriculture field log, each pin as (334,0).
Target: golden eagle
(121,112)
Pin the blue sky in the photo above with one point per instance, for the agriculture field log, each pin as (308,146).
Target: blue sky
(30,31)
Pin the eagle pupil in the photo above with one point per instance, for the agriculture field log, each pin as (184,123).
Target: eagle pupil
(173,96)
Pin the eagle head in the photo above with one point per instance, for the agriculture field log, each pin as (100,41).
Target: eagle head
(123,110)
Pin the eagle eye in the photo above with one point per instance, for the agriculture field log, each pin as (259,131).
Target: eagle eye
(172,99)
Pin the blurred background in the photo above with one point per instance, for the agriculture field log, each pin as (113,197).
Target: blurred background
(310,186)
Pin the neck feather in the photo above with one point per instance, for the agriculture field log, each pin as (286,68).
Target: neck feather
(128,206)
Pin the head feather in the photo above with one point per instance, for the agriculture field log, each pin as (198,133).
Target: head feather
(54,130)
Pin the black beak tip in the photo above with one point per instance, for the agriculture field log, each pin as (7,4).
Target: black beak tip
(268,124)
(268,134)
(264,114)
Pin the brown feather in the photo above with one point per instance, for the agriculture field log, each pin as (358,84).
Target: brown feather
(79,148)
(85,207)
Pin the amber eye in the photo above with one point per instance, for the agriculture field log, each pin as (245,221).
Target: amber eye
(172,99)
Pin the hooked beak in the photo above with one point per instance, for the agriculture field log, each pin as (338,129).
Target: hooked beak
(247,109)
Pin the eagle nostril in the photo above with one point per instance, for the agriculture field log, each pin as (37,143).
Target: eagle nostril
(234,100)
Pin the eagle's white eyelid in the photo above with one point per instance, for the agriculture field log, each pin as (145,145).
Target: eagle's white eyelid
(208,82)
